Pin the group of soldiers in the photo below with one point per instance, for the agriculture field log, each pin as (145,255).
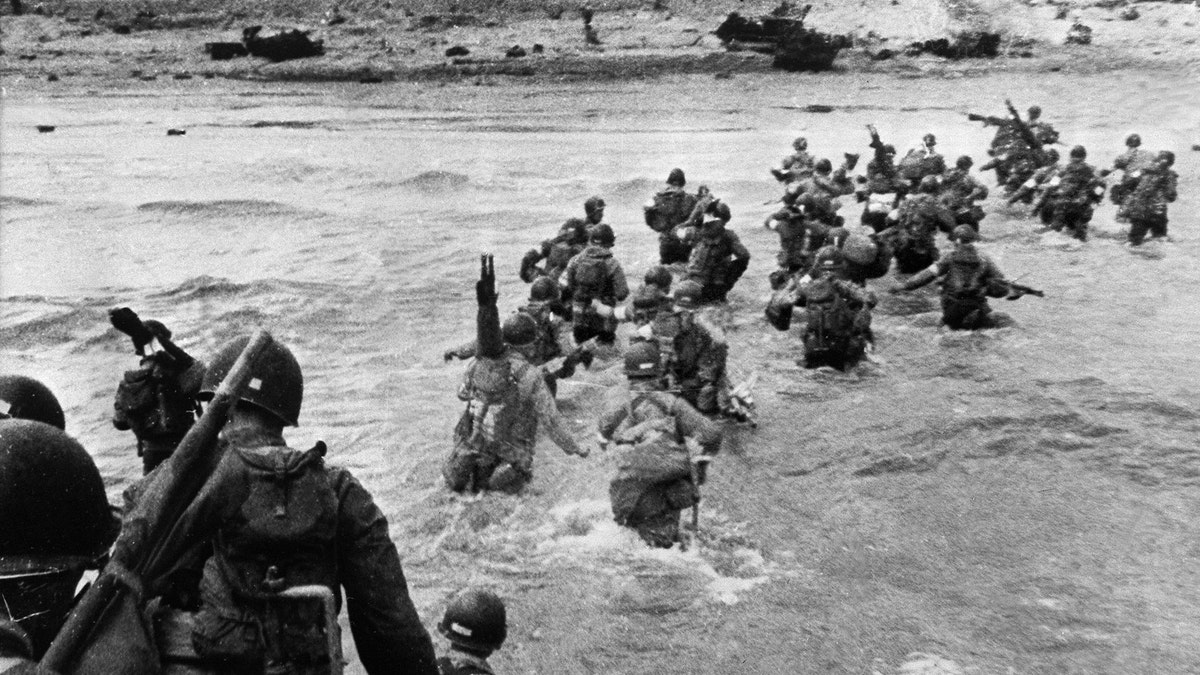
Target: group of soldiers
(232,552)
(239,546)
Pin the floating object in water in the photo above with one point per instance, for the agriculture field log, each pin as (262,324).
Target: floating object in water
(45,128)
(176,132)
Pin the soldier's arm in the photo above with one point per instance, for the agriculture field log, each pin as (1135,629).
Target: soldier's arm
(619,285)
(697,427)
(388,634)
(464,351)
(924,276)
(1171,189)
(611,418)
(993,279)
(740,251)
(548,416)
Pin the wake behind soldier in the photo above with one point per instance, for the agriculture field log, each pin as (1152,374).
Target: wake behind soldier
(506,399)
(158,400)
(287,528)
(658,475)
(969,277)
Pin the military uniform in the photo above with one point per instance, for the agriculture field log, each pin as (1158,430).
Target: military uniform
(557,252)
(461,663)
(158,403)
(595,274)
(1146,206)
(960,192)
(1131,163)
(718,260)
(837,321)
(969,278)
(671,209)
(654,480)
(308,523)
(921,216)
(1073,200)
(495,437)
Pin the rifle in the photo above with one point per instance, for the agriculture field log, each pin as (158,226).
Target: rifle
(875,143)
(694,474)
(139,553)
(1026,133)
(988,120)
(1025,290)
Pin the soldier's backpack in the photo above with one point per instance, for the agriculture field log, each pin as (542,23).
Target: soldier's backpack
(285,538)
(829,319)
(964,279)
(657,458)
(591,278)
(150,403)
(671,207)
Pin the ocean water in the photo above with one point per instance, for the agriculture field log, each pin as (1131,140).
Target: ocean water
(1045,522)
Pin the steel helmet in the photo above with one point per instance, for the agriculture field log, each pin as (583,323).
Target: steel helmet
(642,360)
(649,298)
(574,231)
(602,234)
(829,258)
(26,398)
(965,162)
(929,139)
(52,504)
(928,184)
(860,249)
(1133,140)
(475,619)
(1035,111)
(1052,155)
(544,289)
(593,205)
(519,330)
(720,211)
(801,143)
(1078,152)
(687,294)
(889,149)
(823,166)
(676,177)
(659,276)
(964,234)
(1166,156)
(276,383)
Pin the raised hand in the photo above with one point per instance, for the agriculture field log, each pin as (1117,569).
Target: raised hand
(485,288)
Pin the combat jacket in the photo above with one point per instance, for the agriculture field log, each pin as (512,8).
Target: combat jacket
(967,274)
(359,556)
(504,423)
(1156,188)
(1134,159)
(608,285)
(713,256)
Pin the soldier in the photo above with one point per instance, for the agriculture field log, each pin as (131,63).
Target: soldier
(285,526)
(1131,164)
(595,276)
(660,277)
(837,318)
(802,226)
(476,624)
(969,279)
(1042,131)
(1147,205)
(506,399)
(593,210)
(25,398)
(961,191)
(827,183)
(923,160)
(540,338)
(884,188)
(658,475)
(796,166)
(669,210)
(56,524)
(864,255)
(158,400)
(1034,191)
(1073,199)
(695,351)
(557,252)
(718,258)
(920,217)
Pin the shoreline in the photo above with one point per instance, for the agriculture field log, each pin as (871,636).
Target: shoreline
(639,45)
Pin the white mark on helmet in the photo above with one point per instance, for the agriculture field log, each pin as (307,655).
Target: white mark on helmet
(255,383)
(5,407)
(461,629)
